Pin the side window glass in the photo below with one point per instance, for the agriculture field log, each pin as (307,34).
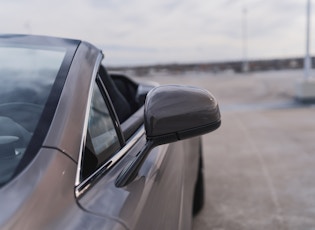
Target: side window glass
(101,138)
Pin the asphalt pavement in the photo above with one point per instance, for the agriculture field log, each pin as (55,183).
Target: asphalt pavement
(260,164)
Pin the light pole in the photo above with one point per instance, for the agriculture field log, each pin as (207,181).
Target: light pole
(307,59)
(305,88)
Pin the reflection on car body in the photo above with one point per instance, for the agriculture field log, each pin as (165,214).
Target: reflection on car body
(84,149)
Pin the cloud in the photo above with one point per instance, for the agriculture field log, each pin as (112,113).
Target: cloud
(153,31)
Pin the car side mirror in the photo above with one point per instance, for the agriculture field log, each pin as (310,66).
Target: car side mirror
(173,113)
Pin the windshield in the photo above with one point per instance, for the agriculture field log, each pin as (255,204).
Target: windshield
(27,76)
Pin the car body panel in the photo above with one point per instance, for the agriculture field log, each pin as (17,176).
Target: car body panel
(68,124)
(38,189)
(44,195)
(139,204)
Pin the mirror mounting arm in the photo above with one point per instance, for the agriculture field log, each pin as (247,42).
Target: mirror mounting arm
(130,172)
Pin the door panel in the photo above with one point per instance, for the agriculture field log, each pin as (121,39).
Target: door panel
(163,204)
(152,200)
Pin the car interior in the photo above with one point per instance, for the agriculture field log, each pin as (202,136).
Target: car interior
(128,99)
(13,139)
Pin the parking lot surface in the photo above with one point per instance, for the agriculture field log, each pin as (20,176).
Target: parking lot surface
(260,164)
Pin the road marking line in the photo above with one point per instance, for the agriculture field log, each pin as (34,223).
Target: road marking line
(265,172)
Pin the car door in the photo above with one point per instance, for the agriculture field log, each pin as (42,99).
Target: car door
(154,199)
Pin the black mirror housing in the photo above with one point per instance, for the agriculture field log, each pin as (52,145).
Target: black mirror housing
(174,112)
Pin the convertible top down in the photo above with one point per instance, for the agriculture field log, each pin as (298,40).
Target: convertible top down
(81,148)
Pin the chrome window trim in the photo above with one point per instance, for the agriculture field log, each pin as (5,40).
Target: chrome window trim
(87,113)
(85,184)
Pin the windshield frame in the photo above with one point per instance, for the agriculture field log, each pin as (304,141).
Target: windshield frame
(41,130)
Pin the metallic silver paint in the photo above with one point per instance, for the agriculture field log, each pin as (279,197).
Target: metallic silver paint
(43,196)
(164,175)
(111,195)
(68,124)
(84,185)
(87,110)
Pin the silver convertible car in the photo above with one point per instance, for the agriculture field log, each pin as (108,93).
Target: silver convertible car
(81,148)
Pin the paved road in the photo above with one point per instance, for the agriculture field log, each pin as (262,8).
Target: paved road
(260,165)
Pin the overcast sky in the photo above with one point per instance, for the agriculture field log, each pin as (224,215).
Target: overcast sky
(167,31)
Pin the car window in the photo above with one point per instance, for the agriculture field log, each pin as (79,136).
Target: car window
(101,138)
